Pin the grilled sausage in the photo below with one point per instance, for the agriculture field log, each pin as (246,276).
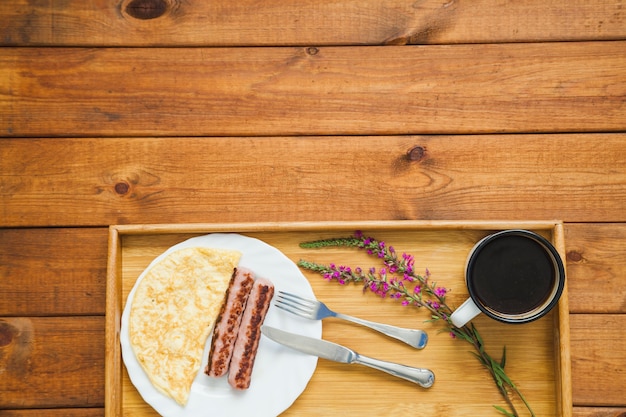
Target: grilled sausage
(228,322)
(246,346)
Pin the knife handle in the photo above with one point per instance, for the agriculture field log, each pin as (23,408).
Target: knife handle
(421,376)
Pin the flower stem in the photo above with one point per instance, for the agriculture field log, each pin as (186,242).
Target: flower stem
(396,279)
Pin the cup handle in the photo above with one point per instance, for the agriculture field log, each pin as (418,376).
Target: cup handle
(467,311)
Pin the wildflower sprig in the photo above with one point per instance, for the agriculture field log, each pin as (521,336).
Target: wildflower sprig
(396,279)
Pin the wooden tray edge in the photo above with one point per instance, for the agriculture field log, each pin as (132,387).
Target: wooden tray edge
(113,351)
(113,360)
(330,226)
(564,364)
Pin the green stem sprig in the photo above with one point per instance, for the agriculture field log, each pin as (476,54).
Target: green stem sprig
(396,279)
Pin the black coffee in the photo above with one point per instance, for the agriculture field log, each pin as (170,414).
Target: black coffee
(512,275)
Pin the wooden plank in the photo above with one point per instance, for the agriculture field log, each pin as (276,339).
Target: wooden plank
(55,412)
(92,182)
(596,267)
(52,362)
(517,88)
(322,22)
(52,271)
(599,412)
(77,349)
(598,348)
(34,264)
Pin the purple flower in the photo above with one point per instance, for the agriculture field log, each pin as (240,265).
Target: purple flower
(440,292)
(389,281)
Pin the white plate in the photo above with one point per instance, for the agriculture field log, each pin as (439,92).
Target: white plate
(280,374)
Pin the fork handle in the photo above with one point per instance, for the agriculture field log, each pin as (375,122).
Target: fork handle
(420,376)
(415,338)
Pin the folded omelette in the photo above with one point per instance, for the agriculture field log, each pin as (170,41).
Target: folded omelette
(172,314)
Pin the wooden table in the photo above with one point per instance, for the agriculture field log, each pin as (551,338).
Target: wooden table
(169,111)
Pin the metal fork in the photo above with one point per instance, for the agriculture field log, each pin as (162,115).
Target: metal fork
(316,310)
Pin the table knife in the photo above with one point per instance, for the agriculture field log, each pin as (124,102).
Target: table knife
(334,352)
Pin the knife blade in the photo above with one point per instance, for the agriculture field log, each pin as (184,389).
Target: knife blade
(337,353)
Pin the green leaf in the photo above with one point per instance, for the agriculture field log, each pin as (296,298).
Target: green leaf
(498,377)
(503,360)
(461,334)
(478,338)
(324,243)
(501,374)
(503,411)
(481,359)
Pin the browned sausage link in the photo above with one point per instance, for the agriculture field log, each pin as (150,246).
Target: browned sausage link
(247,343)
(228,322)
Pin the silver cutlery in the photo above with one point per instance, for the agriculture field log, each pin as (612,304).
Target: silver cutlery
(316,310)
(337,353)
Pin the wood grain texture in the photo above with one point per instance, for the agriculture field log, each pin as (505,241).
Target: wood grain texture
(599,412)
(52,362)
(587,332)
(322,22)
(64,344)
(52,271)
(596,267)
(586,346)
(516,88)
(55,412)
(33,263)
(284,84)
(532,360)
(92,182)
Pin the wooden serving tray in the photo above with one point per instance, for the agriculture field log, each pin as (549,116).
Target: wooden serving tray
(538,358)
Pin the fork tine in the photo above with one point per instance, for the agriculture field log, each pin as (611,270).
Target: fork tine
(293,304)
(296,299)
(298,310)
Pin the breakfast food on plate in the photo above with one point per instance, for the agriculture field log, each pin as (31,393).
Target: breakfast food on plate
(244,352)
(227,324)
(238,328)
(172,313)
